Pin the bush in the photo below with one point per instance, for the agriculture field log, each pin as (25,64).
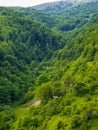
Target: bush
(28,96)
(60,125)
(75,121)
(67,110)
(81,89)
(45,92)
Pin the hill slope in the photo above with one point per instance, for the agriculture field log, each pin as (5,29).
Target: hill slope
(56,71)
(61,4)
(61,18)
(23,42)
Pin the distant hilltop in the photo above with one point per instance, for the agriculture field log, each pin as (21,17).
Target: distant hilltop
(60,4)
(77,1)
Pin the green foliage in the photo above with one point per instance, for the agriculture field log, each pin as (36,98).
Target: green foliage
(28,96)
(45,92)
(81,89)
(60,125)
(75,121)
(23,41)
(48,78)
(42,79)
(62,15)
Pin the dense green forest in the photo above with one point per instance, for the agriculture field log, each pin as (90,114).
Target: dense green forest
(63,19)
(49,68)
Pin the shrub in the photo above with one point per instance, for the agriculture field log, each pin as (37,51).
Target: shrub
(81,89)
(60,125)
(75,121)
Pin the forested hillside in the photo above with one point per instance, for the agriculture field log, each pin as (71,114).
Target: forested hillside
(51,6)
(23,42)
(63,19)
(49,74)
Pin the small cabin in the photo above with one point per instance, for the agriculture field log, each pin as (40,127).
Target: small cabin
(55,97)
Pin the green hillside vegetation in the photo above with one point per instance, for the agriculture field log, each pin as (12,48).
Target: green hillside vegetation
(23,45)
(63,19)
(48,77)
